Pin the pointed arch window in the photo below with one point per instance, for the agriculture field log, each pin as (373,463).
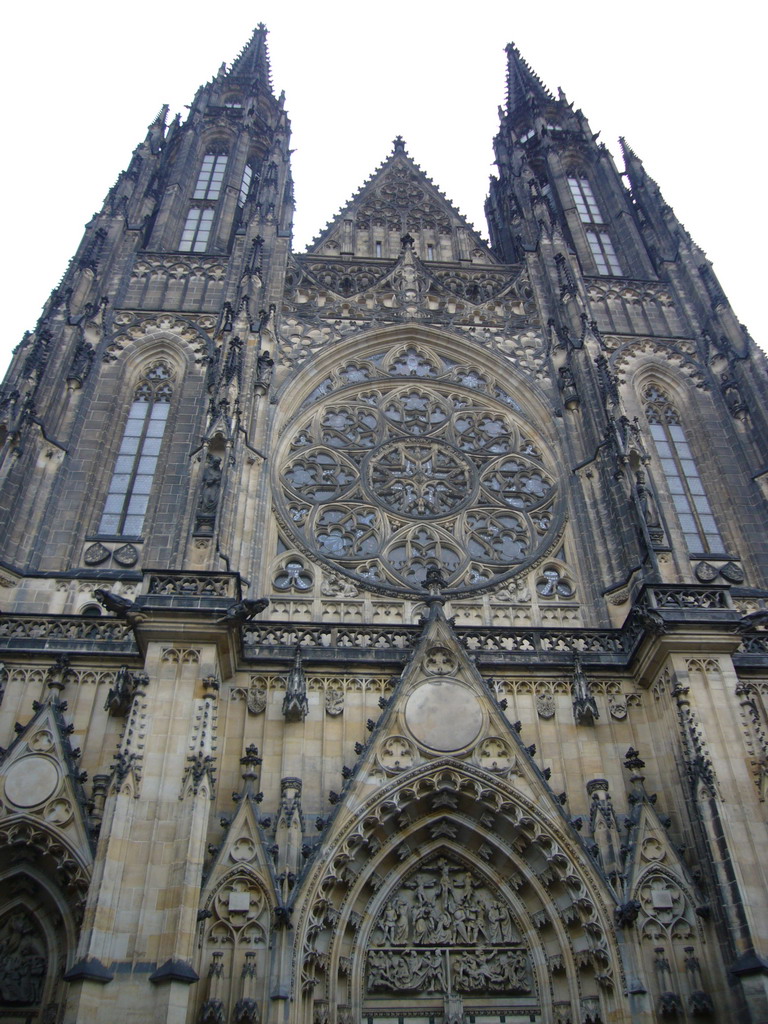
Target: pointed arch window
(684,482)
(211,176)
(245,185)
(136,464)
(201,214)
(599,241)
(197,230)
(583,197)
(601,246)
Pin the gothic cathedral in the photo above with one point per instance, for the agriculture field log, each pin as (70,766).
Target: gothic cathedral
(384,627)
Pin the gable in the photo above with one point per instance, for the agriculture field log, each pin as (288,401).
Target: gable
(396,201)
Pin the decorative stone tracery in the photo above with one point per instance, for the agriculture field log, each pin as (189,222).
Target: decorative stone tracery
(381,481)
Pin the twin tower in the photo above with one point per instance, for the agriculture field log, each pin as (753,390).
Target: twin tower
(384,626)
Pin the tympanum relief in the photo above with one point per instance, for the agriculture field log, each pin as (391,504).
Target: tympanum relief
(446,930)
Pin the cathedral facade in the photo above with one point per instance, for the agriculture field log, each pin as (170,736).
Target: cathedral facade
(383,627)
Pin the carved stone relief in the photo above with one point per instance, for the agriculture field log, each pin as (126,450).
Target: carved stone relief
(445,930)
(397,753)
(240,912)
(334,702)
(545,705)
(256,698)
(23,961)
(665,912)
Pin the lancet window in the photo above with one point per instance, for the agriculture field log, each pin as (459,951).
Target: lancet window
(589,212)
(583,197)
(601,246)
(245,185)
(197,230)
(211,176)
(200,216)
(134,472)
(682,475)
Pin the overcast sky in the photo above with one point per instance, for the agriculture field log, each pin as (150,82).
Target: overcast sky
(678,79)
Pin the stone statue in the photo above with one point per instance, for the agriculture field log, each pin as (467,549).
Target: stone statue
(501,927)
(647,504)
(209,493)
(265,366)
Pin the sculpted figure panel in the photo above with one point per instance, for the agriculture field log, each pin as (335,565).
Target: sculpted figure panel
(445,929)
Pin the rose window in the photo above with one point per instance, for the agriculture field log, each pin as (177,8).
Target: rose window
(421,481)
(384,481)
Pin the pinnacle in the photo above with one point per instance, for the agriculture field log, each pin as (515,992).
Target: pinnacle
(522,82)
(253,59)
(160,117)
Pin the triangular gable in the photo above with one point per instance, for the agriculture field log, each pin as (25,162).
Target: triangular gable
(43,804)
(398,200)
(441,708)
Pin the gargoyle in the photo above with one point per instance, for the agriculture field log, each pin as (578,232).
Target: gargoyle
(242,611)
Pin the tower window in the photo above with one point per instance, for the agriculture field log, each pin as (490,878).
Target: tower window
(245,185)
(586,205)
(197,230)
(134,471)
(211,176)
(605,255)
(377,246)
(682,475)
(430,252)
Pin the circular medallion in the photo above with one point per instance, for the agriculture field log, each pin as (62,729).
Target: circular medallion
(443,715)
(31,781)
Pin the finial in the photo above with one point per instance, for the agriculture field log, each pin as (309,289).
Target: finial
(634,765)
(398,145)
(57,676)
(250,761)
(434,583)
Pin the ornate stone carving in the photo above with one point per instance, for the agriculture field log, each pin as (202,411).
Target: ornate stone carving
(95,554)
(239,913)
(256,699)
(495,755)
(439,661)
(584,705)
(127,685)
(295,702)
(210,488)
(665,909)
(293,575)
(446,930)
(334,702)
(190,585)
(377,484)
(545,705)
(396,754)
(127,555)
(23,961)
(617,708)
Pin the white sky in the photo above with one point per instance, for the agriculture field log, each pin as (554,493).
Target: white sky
(678,79)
